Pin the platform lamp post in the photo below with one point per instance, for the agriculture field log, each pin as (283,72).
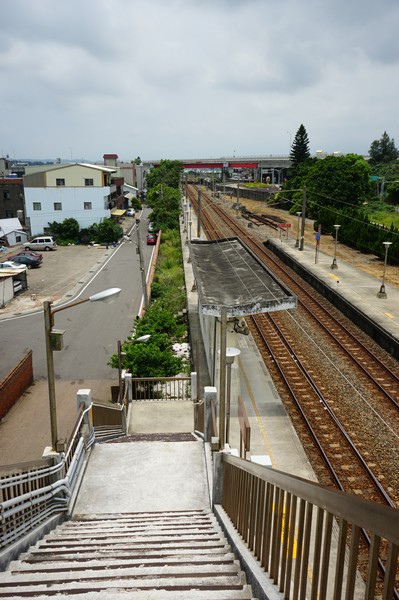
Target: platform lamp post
(54,342)
(334,262)
(231,353)
(382,292)
(298,214)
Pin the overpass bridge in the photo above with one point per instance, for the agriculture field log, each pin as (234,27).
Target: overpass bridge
(262,167)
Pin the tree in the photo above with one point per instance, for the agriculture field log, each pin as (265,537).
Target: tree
(67,230)
(300,147)
(165,202)
(335,181)
(383,150)
(168,173)
(154,358)
(339,180)
(106,232)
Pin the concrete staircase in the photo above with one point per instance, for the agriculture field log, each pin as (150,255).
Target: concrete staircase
(149,555)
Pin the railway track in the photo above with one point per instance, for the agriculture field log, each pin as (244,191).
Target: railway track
(348,420)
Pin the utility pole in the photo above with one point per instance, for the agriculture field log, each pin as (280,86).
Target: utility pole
(142,269)
(302,242)
(222,376)
(199,215)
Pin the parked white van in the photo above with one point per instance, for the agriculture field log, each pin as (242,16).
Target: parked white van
(41,243)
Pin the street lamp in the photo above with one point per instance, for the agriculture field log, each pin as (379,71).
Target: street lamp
(298,214)
(334,262)
(54,342)
(382,292)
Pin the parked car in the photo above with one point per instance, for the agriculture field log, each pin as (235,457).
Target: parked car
(41,243)
(9,264)
(152,239)
(130,212)
(35,255)
(152,228)
(29,261)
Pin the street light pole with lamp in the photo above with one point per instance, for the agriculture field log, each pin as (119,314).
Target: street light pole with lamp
(53,339)
(334,262)
(382,292)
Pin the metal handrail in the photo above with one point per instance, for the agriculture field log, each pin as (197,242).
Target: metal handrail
(47,492)
(273,512)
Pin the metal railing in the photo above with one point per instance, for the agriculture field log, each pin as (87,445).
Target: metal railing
(161,388)
(30,493)
(308,537)
(109,421)
(34,493)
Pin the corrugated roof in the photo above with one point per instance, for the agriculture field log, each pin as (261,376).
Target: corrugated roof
(10,224)
(117,212)
(229,275)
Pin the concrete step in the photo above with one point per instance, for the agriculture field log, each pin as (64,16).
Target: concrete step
(175,555)
(77,563)
(160,582)
(189,594)
(160,550)
(141,571)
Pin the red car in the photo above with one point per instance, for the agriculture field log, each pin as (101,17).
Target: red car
(34,255)
(152,239)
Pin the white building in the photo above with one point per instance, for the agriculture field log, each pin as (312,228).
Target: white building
(80,191)
(11,232)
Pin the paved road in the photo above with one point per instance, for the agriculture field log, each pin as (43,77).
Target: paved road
(91,334)
(91,330)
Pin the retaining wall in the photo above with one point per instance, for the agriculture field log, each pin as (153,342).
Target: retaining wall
(15,384)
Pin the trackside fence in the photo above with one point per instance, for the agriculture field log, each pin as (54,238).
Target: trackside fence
(311,539)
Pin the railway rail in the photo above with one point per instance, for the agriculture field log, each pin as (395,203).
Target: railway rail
(329,427)
(375,378)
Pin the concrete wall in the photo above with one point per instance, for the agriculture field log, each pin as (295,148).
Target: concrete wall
(16,237)
(75,176)
(72,200)
(6,290)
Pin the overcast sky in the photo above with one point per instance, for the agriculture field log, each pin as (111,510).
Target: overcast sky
(196,78)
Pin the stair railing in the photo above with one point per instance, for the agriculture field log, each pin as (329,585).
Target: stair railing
(308,537)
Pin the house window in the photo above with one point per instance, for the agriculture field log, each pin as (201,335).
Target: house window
(89,182)
(6,195)
(60,181)
(18,239)
(37,206)
(87,205)
(57,205)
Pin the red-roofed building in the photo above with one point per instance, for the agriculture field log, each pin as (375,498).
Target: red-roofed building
(110,160)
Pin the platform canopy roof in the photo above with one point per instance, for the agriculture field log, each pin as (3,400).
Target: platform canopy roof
(229,275)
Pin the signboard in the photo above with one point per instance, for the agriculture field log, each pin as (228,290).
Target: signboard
(284,225)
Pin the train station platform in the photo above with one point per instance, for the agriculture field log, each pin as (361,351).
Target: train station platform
(354,285)
(274,441)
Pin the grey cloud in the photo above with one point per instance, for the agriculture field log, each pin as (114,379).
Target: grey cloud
(188,68)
